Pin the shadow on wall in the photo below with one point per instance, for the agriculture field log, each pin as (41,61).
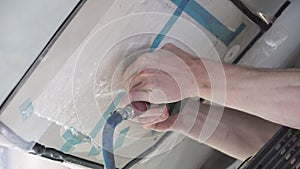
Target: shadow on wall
(218,160)
(297,65)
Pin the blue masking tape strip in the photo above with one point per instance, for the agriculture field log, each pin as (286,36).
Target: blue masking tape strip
(153,132)
(94,151)
(67,147)
(209,22)
(26,109)
(181,5)
(120,140)
(105,115)
(73,137)
(71,140)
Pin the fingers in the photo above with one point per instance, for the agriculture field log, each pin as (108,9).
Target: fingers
(141,62)
(154,95)
(183,122)
(159,77)
(157,119)
(132,70)
(154,115)
(147,86)
(143,76)
(137,65)
(162,126)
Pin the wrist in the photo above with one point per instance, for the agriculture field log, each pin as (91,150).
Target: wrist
(197,127)
(203,71)
(217,81)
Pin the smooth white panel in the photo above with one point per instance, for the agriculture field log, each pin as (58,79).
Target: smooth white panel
(25,28)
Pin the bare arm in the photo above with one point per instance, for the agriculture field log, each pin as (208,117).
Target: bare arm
(238,134)
(273,95)
(167,76)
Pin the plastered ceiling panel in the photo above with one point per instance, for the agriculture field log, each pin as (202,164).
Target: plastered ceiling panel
(79,81)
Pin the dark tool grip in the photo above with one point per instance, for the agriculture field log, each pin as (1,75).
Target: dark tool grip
(173,108)
(176,107)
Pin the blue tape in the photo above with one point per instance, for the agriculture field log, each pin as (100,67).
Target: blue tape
(153,132)
(73,137)
(68,146)
(26,109)
(209,22)
(94,151)
(121,138)
(105,115)
(181,5)
(71,140)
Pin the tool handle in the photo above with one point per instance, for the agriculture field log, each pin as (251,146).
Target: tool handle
(176,107)
(173,108)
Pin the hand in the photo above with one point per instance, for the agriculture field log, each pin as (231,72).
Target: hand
(167,75)
(158,119)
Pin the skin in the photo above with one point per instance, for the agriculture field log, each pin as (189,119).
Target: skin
(258,101)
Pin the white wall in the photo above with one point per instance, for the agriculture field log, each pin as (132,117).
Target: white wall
(25,28)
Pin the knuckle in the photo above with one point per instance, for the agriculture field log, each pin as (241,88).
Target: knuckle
(141,79)
(141,59)
(150,85)
(144,57)
(168,46)
(143,73)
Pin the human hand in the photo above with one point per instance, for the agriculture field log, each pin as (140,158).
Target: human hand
(157,118)
(167,75)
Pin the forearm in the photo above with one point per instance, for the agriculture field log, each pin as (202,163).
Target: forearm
(238,134)
(266,93)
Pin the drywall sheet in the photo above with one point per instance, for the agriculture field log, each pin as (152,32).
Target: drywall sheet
(81,93)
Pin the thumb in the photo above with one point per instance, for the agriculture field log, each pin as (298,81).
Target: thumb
(158,119)
(165,125)
(154,115)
